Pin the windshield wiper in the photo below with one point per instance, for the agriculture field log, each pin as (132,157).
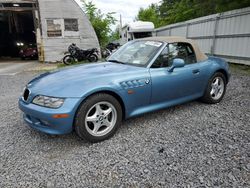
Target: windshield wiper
(116,61)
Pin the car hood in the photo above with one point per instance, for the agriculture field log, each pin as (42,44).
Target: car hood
(71,82)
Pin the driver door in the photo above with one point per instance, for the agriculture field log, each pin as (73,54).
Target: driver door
(179,85)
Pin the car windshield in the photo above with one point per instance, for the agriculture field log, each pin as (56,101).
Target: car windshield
(137,53)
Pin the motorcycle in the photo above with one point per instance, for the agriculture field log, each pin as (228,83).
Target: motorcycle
(110,48)
(76,54)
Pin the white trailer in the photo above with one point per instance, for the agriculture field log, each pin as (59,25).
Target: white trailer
(136,30)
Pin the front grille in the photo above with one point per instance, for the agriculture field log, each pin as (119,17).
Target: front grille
(26,94)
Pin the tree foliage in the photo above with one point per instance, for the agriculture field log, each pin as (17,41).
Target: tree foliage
(101,22)
(173,11)
(115,35)
(150,14)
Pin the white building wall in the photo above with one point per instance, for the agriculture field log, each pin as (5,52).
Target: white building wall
(54,47)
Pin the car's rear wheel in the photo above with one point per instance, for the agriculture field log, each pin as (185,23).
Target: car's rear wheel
(216,89)
(98,118)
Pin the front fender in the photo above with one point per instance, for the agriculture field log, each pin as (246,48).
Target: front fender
(99,90)
(114,92)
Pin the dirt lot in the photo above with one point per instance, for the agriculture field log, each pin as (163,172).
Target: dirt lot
(190,145)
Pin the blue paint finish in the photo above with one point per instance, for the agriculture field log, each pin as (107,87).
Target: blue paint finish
(40,118)
(161,105)
(174,85)
(177,63)
(153,89)
(83,79)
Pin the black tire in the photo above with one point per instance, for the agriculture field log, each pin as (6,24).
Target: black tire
(93,58)
(68,60)
(207,97)
(81,126)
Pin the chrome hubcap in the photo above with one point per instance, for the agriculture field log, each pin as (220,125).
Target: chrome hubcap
(100,119)
(217,88)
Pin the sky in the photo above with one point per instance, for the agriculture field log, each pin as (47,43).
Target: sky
(127,8)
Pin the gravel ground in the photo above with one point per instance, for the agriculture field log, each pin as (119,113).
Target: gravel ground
(190,145)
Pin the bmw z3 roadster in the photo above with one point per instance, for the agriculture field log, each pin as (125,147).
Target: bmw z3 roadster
(142,76)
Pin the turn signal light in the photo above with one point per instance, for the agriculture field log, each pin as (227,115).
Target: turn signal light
(58,116)
(130,91)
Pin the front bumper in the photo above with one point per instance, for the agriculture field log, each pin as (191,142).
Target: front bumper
(41,118)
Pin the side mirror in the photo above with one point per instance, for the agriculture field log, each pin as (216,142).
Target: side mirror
(177,63)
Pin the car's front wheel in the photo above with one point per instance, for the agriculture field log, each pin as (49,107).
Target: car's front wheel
(98,117)
(216,89)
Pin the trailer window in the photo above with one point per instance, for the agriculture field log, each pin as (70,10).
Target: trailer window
(142,35)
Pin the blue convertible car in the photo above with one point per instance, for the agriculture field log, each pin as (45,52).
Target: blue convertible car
(142,76)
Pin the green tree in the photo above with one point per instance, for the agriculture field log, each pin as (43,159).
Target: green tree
(101,22)
(115,35)
(225,5)
(184,10)
(166,9)
(173,11)
(150,14)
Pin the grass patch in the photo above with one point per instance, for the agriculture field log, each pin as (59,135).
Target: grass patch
(62,65)
(240,69)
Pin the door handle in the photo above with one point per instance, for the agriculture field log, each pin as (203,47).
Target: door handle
(196,71)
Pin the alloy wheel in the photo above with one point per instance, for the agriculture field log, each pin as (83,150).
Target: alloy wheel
(100,119)
(217,88)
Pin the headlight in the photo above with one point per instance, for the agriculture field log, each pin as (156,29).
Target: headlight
(50,102)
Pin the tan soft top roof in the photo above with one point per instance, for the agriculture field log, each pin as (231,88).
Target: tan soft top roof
(200,56)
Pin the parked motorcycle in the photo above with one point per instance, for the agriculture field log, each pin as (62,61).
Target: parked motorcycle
(113,46)
(110,48)
(76,54)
